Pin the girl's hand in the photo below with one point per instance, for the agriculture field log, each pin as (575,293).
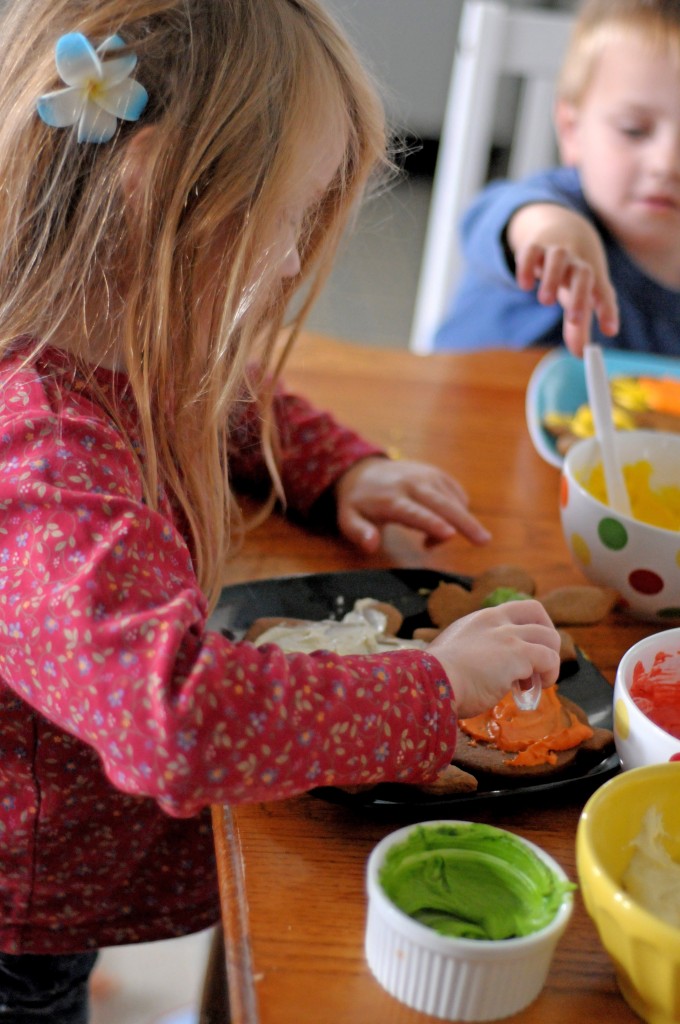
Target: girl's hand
(484,652)
(377,491)
(559,248)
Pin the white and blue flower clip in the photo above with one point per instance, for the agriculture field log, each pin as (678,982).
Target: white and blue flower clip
(97,92)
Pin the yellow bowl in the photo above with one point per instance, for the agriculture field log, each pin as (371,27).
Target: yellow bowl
(645,950)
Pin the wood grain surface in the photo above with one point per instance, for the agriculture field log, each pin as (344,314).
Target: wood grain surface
(292,872)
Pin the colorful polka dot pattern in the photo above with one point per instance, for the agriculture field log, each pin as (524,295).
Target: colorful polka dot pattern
(613,536)
(612,533)
(621,719)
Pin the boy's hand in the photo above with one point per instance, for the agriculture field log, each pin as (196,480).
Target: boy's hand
(377,491)
(559,248)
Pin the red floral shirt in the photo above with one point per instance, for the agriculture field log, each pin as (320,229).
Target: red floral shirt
(123,718)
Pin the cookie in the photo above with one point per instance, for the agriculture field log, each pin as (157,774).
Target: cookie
(392,615)
(484,760)
(451,779)
(511,576)
(260,626)
(448,602)
(579,605)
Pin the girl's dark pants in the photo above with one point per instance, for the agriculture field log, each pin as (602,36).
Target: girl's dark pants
(36,989)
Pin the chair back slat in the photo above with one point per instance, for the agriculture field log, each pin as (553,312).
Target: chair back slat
(495,40)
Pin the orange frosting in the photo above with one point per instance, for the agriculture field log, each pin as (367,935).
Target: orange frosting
(533,735)
(662,394)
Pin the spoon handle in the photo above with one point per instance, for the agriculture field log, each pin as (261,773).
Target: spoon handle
(527,699)
(599,397)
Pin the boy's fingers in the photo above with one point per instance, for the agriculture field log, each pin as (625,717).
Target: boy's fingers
(529,266)
(576,335)
(607,310)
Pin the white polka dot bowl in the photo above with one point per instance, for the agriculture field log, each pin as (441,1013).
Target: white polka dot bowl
(453,976)
(640,561)
(647,687)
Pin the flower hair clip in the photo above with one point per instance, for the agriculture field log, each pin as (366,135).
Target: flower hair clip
(97,92)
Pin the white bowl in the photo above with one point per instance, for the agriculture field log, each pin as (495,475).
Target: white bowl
(640,741)
(640,561)
(454,978)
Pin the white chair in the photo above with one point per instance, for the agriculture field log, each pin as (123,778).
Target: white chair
(496,41)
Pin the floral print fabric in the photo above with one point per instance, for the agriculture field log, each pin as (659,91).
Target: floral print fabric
(123,718)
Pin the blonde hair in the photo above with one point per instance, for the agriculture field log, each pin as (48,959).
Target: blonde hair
(236,88)
(601,22)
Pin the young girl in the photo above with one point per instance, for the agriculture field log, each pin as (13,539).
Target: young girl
(167,183)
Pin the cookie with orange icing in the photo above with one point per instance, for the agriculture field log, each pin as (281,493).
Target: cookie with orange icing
(512,743)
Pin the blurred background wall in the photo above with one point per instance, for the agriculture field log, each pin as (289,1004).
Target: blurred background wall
(409,45)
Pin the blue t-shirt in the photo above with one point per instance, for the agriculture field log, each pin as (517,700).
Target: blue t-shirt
(490,310)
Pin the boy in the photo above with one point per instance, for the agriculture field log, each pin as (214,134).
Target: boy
(590,250)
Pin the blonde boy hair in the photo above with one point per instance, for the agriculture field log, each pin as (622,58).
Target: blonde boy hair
(601,22)
(236,88)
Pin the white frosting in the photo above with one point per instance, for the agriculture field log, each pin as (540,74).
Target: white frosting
(361,631)
(653,876)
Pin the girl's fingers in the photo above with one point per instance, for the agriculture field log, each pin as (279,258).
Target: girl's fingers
(464,523)
(413,495)
(418,516)
(437,509)
(359,530)
(526,613)
(439,514)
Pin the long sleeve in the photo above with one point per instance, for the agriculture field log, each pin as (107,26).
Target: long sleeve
(488,307)
(315,450)
(103,633)
(483,226)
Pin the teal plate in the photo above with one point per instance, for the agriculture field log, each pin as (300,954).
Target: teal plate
(558,384)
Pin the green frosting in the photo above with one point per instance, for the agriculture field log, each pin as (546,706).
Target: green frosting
(501,595)
(472,881)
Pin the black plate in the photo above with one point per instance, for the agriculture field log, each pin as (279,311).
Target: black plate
(331,595)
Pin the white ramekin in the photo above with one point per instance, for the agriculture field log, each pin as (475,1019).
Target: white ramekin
(455,979)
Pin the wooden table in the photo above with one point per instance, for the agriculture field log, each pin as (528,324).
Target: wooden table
(292,872)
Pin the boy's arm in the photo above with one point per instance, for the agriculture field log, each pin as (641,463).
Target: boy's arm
(490,253)
(484,225)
